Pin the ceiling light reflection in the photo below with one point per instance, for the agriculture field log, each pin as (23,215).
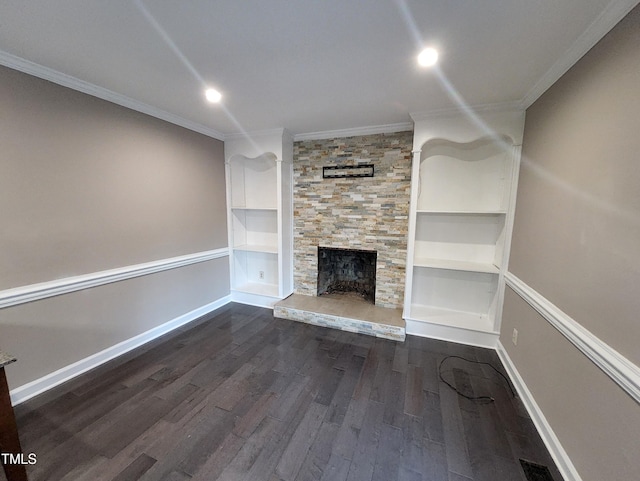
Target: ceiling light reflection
(428,57)
(213,95)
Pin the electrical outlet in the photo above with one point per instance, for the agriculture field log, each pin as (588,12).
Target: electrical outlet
(514,337)
(261,275)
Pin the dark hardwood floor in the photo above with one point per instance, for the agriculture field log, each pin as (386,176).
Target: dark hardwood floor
(243,396)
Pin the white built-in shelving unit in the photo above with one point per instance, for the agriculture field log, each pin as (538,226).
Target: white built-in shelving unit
(259,201)
(463,193)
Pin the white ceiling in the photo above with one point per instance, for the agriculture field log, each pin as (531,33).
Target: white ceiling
(304,65)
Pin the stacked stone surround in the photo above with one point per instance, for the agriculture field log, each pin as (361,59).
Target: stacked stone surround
(385,331)
(357,213)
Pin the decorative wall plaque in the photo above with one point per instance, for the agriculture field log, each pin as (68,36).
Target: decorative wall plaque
(337,171)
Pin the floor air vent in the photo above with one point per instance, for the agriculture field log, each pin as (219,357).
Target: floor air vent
(535,472)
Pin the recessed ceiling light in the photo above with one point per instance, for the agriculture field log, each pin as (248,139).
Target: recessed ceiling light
(213,96)
(428,57)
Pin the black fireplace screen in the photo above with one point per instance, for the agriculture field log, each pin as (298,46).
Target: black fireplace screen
(347,271)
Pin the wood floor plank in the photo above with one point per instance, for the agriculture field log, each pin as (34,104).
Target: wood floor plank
(413,396)
(247,424)
(405,474)
(434,462)
(388,454)
(303,438)
(490,422)
(345,390)
(458,477)
(243,396)
(183,442)
(206,445)
(104,468)
(430,378)
(287,399)
(432,417)
(480,456)
(128,427)
(364,457)
(400,358)
(454,436)
(367,376)
(380,386)
(327,385)
(177,476)
(266,462)
(349,431)
(136,469)
(246,456)
(218,460)
(96,464)
(394,404)
(319,453)
(337,469)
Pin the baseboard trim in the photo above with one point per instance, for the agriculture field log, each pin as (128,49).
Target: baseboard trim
(559,455)
(256,300)
(33,388)
(452,334)
(620,369)
(43,290)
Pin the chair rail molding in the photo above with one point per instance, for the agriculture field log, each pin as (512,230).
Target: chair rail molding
(624,372)
(42,290)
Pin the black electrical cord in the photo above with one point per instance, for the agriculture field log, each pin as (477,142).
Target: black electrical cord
(487,399)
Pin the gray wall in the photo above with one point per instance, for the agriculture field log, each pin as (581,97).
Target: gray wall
(576,241)
(86,186)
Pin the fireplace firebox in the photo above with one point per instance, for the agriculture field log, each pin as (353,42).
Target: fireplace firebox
(347,271)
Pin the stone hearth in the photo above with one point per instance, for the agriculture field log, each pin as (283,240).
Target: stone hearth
(344,314)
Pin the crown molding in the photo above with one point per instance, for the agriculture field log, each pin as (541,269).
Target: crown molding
(608,18)
(257,133)
(370,130)
(615,11)
(46,73)
(514,106)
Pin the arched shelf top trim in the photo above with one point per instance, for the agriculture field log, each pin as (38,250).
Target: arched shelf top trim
(467,151)
(264,157)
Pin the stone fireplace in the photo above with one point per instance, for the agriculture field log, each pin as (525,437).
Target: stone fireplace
(348,272)
(362,213)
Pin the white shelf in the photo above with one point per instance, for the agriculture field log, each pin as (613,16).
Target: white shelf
(455,290)
(470,242)
(460,212)
(258,289)
(460,231)
(267,249)
(473,321)
(257,228)
(255,208)
(253,181)
(466,178)
(463,187)
(456,265)
(259,207)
